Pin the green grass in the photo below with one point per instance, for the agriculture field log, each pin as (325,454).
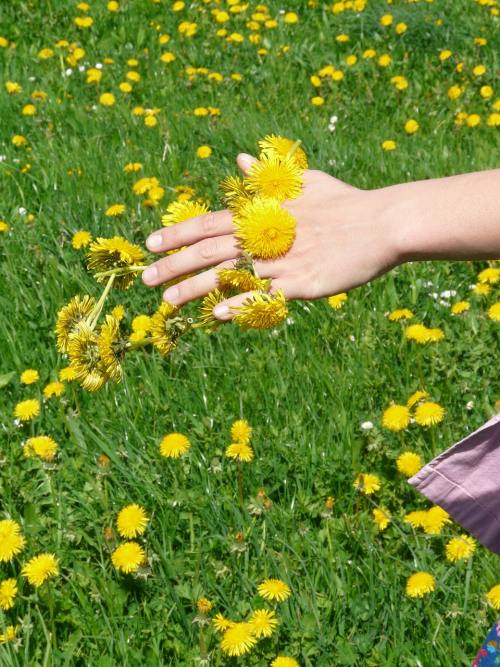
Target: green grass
(305,388)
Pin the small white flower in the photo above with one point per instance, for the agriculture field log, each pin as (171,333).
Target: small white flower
(3,158)
(366,426)
(447,294)
(68,72)
(98,66)
(81,68)
(470,405)
(21,210)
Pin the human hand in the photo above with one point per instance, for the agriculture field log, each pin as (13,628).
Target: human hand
(342,240)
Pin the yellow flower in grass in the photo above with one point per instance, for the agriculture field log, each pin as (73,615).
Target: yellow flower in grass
(27,410)
(262,311)
(174,445)
(420,584)
(460,548)
(54,389)
(221,623)
(141,323)
(116,253)
(9,635)
(42,446)
(112,347)
(132,521)
(281,147)
(85,360)
(400,314)
(493,597)
(67,374)
(81,239)
(416,519)
(238,639)
(429,413)
(4,226)
(422,334)
(29,376)
(11,540)
(367,483)
(235,192)
(128,557)
(206,317)
(107,99)
(284,661)
(203,605)
(179,211)
(115,210)
(241,431)
(241,279)
(274,177)
(382,517)
(240,451)
(435,520)
(460,307)
(490,275)
(40,568)
(481,289)
(337,301)
(8,592)
(264,622)
(166,328)
(389,145)
(264,228)
(203,152)
(411,126)
(409,463)
(416,397)
(274,590)
(494,312)
(132,167)
(396,417)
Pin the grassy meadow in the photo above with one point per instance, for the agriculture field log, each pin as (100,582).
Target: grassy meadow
(305,387)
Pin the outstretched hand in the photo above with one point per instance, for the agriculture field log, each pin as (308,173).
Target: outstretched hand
(342,240)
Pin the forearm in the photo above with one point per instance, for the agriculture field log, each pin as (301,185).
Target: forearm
(447,218)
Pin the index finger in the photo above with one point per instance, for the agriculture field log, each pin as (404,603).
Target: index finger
(190,231)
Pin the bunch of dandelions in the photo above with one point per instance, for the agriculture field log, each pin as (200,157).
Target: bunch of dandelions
(96,350)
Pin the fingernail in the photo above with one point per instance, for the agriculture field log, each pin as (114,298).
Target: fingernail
(171,295)
(221,311)
(154,241)
(150,274)
(246,161)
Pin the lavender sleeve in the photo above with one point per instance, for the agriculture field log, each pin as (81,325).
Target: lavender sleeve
(465,481)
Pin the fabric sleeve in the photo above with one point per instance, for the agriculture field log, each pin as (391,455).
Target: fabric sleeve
(465,481)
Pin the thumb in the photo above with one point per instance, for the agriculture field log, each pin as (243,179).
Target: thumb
(245,161)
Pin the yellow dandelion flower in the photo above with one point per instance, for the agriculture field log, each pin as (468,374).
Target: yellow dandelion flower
(85,359)
(434,335)
(11,540)
(54,389)
(396,417)
(409,463)
(411,126)
(141,323)
(481,289)
(128,557)
(460,548)
(493,597)
(460,307)
(238,639)
(274,590)
(179,211)
(400,314)
(420,584)
(284,661)
(203,152)
(42,446)
(203,605)
(494,312)
(429,413)
(241,280)
(70,317)
(114,210)
(241,431)
(337,301)
(132,521)
(4,226)
(206,317)
(281,147)
(422,334)
(67,374)
(389,145)
(264,228)
(40,568)
(112,347)
(221,623)
(367,483)
(81,239)
(9,635)
(240,451)
(29,376)
(435,520)
(490,275)
(381,517)
(167,327)
(275,178)
(132,167)
(8,592)
(174,445)
(117,253)
(107,99)
(264,622)
(262,311)
(416,397)
(235,192)
(27,410)
(416,519)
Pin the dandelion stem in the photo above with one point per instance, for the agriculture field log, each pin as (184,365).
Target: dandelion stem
(121,272)
(240,482)
(467,583)
(94,315)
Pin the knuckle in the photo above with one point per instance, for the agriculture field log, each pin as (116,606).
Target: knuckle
(209,248)
(166,269)
(209,223)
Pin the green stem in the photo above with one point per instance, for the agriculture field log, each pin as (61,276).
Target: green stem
(121,272)
(467,583)
(240,483)
(94,315)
